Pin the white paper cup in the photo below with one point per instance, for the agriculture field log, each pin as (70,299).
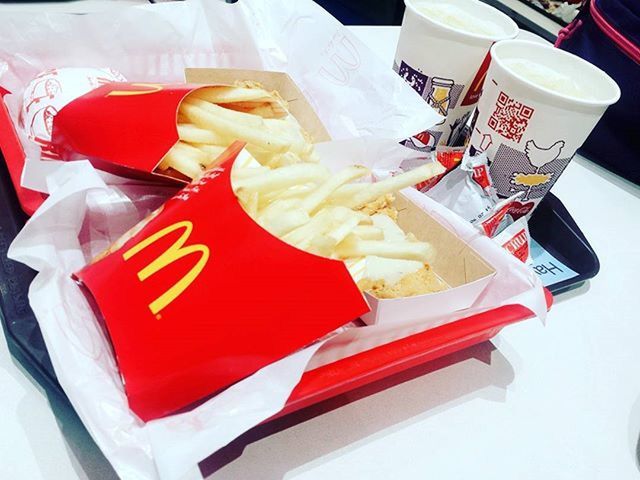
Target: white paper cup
(531,132)
(445,64)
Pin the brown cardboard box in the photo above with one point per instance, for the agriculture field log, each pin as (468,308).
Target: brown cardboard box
(455,262)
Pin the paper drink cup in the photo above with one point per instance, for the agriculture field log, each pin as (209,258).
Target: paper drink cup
(538,106)
(443,54)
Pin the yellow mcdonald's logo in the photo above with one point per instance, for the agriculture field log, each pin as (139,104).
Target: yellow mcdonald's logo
(150,88)
(175,252)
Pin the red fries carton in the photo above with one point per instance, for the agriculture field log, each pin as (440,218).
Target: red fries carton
(127,128)
(201,296)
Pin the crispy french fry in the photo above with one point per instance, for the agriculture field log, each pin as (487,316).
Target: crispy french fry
(368,232)
(212,152)
(283,159)
(301,236)
(345,227)
(259,138)
(346,192)
(249,201)
(244,173)
(245,106)
(182,162)
(192,152)
(266,110)
(280,219)
(295,192)
(391,231)
(245,119)
(393,184)
(352,247)
(210,149)
(192,134)
(313,201)
(284,177)
(224,94)
(264,157)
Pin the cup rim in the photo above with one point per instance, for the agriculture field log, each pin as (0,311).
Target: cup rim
(495,57)
(409,4)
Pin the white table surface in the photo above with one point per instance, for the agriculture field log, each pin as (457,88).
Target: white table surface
(560,401)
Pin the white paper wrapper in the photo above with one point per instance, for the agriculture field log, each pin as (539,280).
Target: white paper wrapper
(51,90)
(84,214)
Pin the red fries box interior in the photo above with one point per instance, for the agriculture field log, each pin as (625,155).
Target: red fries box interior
(194,302)
(127,128)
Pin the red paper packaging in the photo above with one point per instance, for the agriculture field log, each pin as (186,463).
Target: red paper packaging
(127,128)
(196,301)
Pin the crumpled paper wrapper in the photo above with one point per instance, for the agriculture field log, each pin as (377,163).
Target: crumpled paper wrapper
(84,214)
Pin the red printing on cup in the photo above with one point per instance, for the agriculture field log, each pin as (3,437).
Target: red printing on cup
(202,297)
(475,90)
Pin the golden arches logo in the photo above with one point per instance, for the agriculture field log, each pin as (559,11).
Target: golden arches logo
(175,252)
(150,88)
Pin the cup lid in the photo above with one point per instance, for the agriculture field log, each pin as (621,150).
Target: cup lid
(602,89)
(477,9)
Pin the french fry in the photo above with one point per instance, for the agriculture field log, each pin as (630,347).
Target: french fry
(245,106)
(390,229)
(244,173)
(265,110)
(192,152)
(346,192)
(393,184)
(192,134)
(264,157)
(211,118)
(302,236)
(245,119)
(313,201)
(260,138)
(250,201)
(284,177)
(281,217)
(352,247)
(347,220)
(283,159)
(212,151)
(368,232)
(297,192)
(181,162)
(224,94)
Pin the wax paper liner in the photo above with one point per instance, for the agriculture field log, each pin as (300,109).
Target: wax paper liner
(352,90)
(86,212)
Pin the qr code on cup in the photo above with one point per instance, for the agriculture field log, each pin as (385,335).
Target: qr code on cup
(510,118)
